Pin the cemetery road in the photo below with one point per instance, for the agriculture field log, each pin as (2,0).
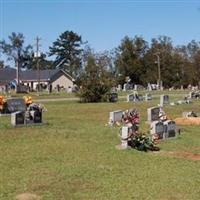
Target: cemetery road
(76,99)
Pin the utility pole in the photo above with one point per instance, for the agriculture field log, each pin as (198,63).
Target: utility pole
(17,72)
(159,74)
(37,55)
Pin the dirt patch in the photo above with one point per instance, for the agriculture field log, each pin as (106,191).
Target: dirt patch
(27,196)
(185,155)
(188,121)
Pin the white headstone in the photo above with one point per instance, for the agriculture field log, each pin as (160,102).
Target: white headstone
(124,137)
(148,97)
(119,87)
(135,87)
(125,87)
(190,95)
(185,114)
(115,116)
(149,87)
(164,99)
(130,97)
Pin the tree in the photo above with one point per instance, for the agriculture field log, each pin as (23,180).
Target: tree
(129,59)
(15,51)
(67,49)
(2,64)
(43,63)
(161,47)
(95,81)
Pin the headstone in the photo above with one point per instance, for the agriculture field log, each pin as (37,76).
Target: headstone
(130,97)
(139,98)
(22,89)
(182,87)
(148,97)
(113,97)
(17,118)
(153,114)
(185,114)
(37,116)
(170,129)
(149,87)
(190,95)
(157,127)
(119,88)
(115,116)
(135,87)
(179,102)
(124,137)
(14,105)
(125,87)
(49,88)
(189,114)
(164,99)
(172,104)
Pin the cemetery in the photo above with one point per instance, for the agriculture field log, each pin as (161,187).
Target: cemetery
(99,100)
(75,156)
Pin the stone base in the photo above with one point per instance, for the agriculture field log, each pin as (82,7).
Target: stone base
(120,147)
(32,124)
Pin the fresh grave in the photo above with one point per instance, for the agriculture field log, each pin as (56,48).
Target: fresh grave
(188,118)
(130,135)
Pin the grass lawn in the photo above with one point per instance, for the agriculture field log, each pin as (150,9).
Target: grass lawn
(74,157)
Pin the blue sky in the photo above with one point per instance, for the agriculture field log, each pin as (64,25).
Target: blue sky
(102,23)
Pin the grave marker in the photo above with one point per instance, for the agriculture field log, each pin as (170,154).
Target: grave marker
(153,114)
(130,97)
(148,97)
(170,129)
(164,99)
(157,127)
(14,105)
(124,137)
(115,116)
(17,118)
(125,87)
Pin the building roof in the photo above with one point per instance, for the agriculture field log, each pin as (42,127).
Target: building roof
(9,74)
(32,75)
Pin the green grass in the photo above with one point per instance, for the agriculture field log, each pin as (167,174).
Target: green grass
(74,157)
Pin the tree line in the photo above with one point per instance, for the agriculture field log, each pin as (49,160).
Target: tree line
(134,58)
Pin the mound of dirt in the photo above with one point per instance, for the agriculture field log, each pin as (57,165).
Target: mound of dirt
(27,196)
(181,154)
(188,121)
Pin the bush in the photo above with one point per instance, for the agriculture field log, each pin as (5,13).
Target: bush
(94,92)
